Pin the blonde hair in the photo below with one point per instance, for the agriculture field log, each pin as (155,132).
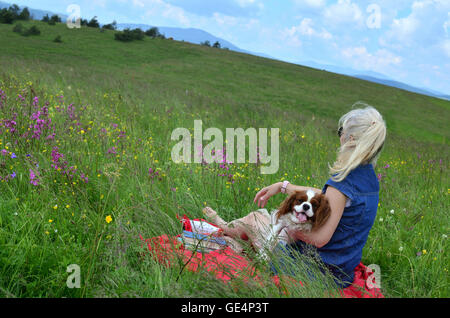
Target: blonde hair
(364,132)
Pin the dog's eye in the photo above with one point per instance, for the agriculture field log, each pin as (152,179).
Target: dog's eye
(299,201)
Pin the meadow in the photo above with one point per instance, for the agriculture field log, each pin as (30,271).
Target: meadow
(86,167)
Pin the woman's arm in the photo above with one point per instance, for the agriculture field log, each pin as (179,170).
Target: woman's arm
(322,236)
(265,194)
(291,188)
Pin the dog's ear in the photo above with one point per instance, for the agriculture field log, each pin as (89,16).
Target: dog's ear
(323,212)
(287,205)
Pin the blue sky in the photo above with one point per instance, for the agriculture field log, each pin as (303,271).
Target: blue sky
(406,40)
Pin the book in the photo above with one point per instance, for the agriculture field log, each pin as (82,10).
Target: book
(201,243)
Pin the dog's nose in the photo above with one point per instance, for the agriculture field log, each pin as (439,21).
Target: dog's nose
(305,207)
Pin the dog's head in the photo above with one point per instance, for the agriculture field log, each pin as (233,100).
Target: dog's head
(306,207)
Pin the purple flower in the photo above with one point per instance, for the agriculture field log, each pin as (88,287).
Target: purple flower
(112,150)
(13,175)
(84,177)
(56,155)
(386,166)
(33,178)
(13,156)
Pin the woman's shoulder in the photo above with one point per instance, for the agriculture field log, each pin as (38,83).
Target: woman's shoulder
(362,179)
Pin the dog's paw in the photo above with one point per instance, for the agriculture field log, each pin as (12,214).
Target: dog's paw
(210,213)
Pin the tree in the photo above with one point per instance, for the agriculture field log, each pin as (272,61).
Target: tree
(138,34)
(58,39)
(18,28)
(6,16)
(84,22)
(25,14)
(128,35)
(32,31)
(206,43)
(46,18)
(14,9)
(93,23)
(54,19)
(153,32)
(217,45)
(111,26)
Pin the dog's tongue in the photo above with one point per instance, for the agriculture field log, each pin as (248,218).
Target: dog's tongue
(301,217)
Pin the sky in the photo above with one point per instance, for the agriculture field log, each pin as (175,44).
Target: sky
(407,40)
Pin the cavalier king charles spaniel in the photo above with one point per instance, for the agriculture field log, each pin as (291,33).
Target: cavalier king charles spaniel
(301,211)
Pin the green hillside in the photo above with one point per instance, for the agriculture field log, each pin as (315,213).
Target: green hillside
(113,106)
(222,77)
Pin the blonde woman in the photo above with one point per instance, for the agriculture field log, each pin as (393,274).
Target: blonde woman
(352,191)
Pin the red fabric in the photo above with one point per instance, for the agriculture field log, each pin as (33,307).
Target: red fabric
(364,286)
(226,264)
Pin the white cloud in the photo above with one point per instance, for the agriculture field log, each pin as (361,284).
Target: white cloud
(289,35)
(343,12)
(425,26)
(245,3)
(305,29)
(362,59)
(160,8)
(402,30)
(138,3)
(445,45)
(100,3)
(446,25)
(224,20)
(311,3)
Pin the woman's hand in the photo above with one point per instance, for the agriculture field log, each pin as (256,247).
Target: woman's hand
(266,193)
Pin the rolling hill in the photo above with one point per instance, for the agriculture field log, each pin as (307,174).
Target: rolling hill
(101,180)
(198,36)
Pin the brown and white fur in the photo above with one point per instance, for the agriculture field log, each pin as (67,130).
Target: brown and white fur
(301,211)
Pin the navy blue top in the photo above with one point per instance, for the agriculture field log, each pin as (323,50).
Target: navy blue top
(344,250)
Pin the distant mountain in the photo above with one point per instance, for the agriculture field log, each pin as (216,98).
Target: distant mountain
(404,86)
(344,70)
(197,36)
(190,35)
(374,77)
(35,13)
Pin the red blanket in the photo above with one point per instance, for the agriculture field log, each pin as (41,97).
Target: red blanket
(226,263)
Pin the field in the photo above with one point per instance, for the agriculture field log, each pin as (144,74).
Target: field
(86,162)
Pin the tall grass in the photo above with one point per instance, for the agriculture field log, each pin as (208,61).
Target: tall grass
(112,123)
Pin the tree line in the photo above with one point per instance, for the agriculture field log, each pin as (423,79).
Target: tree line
(13,13)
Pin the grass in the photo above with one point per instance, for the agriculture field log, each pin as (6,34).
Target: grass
(127,98)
